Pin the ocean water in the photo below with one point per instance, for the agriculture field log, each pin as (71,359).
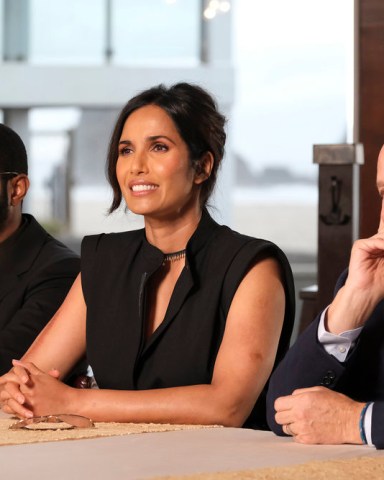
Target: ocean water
(288,194)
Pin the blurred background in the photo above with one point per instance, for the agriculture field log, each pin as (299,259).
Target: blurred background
(282,72)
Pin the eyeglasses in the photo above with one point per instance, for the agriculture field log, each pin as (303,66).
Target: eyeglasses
(9,174)
(61,421)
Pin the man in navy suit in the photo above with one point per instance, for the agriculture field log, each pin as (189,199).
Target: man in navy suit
(329,388)
(36,271)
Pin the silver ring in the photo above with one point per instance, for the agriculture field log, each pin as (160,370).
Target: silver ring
(288,430)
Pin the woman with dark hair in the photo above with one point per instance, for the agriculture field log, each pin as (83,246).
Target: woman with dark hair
(182,321)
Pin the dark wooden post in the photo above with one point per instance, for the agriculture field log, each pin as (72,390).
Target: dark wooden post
(338,221)
(369,105)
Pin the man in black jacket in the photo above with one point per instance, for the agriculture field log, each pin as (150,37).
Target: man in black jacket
(36,270)
(329,388)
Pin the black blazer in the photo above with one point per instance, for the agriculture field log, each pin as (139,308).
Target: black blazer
(360,377)
(116,269)
(36,272)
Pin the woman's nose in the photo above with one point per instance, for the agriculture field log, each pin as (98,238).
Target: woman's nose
(138,163)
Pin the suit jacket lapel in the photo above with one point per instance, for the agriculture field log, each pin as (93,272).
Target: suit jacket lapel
(7,283)
(182,288)
(18,253)
(205,230)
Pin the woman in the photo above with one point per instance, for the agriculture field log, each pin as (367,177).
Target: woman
(181,321)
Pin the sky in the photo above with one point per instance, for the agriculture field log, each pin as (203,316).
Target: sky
(294,80)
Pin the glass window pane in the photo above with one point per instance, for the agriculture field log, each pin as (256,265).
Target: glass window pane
(156,31)
(67,31)
(294,73)
(1,30)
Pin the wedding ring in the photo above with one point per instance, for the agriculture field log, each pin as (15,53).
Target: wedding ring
(288,430)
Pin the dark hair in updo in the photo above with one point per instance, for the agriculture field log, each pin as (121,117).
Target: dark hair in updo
(197,119)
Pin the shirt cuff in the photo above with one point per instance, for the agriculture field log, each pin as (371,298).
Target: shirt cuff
(368,424)
(337,345)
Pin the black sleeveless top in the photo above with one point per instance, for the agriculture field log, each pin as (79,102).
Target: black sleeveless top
(183,349)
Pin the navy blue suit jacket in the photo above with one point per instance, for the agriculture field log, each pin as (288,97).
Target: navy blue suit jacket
(360,377)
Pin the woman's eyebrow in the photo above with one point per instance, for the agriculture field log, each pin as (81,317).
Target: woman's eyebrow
(151,138)
(158,137)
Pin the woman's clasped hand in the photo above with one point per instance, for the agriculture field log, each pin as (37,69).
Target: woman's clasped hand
(27,391)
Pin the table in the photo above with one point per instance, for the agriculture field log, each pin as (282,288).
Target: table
(146,455)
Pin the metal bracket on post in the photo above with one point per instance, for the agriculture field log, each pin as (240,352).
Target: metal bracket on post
(338,221)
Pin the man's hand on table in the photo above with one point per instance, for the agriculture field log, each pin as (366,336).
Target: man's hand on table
(319,415)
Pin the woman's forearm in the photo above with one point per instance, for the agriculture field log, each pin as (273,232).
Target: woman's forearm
(197,404)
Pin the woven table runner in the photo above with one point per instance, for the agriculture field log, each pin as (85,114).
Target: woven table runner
(110,429)
(360,468)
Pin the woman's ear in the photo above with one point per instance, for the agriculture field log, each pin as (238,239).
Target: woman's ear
(204,167)
(19,189)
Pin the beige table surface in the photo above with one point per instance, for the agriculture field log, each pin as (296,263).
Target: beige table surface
(147,455)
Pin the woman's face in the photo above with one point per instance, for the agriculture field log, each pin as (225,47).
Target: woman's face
(153,167)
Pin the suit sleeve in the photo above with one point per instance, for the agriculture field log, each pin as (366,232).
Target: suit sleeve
(377,424)
(306,364)
(43,296)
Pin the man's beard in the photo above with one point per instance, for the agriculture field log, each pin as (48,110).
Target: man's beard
(4,211)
